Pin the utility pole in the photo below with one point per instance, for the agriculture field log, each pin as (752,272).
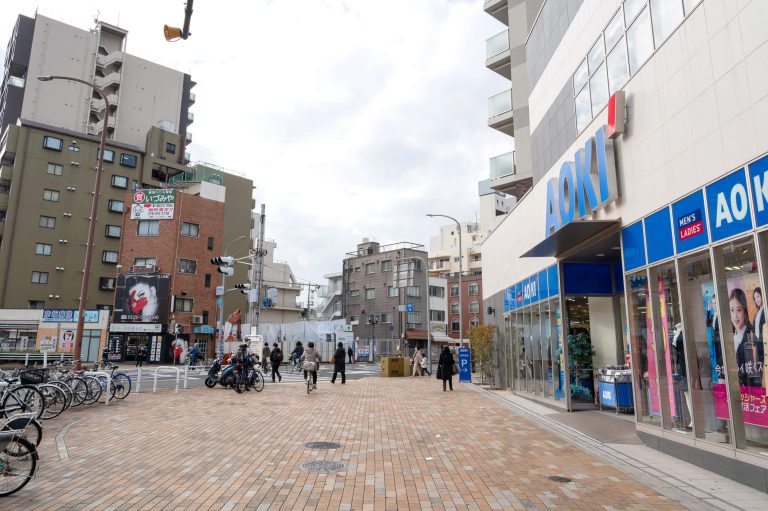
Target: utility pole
(257,271)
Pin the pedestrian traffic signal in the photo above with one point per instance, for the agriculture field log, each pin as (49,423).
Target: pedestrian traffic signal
(225,264)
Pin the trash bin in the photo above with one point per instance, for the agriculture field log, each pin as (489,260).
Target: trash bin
(615,387)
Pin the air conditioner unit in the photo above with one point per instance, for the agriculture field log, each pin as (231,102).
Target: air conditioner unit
(347,328)
(197,320)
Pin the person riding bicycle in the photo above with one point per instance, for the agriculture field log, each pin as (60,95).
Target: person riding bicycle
(297,352)
(193,354)
(311,359)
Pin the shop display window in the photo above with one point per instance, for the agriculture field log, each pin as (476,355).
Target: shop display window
(644,366)
(705,378)
(557,359)
(536,345)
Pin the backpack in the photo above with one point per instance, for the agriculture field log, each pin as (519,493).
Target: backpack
(241,355)
(276,357)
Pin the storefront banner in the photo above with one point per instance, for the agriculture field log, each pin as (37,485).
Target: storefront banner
(544,292)
(654,397)
(153,204)
(519,294)
(663,319)
(713,333)
(758,177)
(509,299)
(553,281)
(68,316)
(690,227)
(141,298)
(728,206)
(633,246)
(754,405)
(531,290)
(658,231)
(136,327)
(744,295)
(115,347)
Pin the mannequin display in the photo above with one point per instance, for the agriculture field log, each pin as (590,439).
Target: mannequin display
(679,370)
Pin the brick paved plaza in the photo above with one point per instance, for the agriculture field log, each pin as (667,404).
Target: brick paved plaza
(406,445)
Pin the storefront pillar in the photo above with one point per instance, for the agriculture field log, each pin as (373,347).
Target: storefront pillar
(564,337)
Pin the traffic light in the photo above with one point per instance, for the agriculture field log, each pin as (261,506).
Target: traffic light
(244,288)
(225,264)
(177,328)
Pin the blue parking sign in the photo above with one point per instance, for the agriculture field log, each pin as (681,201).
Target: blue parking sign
(465,365)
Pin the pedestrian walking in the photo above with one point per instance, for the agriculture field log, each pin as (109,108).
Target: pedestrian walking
(445,367)
(416,361)
(105,357)
(350,353)
(339,364)
(141,355)
(311,359)
(265,358)
(425,366)
(276,358)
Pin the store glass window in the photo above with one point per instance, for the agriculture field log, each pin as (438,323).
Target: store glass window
(666,17)
(536,345)
(631,8)
(596,55)
(639,41)
(618,72)
(583,109)
(745,332)
(598,86)
(581,76)
(557,356)
(614,31)
(647,398)
(702,326)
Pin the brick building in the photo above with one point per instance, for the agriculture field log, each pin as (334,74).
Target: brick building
(472,302)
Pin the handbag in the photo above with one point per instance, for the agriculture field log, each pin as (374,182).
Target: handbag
(333,360)
(455,369)
(437,373)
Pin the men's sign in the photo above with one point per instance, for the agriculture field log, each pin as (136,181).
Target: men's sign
(691,224)
(584,185)
(153,204)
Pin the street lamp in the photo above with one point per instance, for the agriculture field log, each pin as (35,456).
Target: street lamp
(221,307)
(461,270)
(92,220)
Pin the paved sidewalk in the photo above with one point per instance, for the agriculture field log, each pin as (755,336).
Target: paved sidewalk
(405,444)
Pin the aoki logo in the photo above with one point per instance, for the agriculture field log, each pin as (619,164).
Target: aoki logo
(529,291)
(584,185)
(732,208)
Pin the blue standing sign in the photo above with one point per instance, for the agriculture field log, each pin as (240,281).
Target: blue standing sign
(465,365)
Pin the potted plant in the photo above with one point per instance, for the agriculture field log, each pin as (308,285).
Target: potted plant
(580,353)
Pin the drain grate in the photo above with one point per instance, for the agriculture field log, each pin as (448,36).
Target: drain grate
(560,479)
(322,445)
(323,466)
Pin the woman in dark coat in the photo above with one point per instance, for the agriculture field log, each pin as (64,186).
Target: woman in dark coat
(338,364)
(445,367)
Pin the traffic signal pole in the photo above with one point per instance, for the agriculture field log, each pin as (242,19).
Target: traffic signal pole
(257,272)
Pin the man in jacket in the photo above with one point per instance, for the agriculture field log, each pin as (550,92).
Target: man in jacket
(276,358)
(350,353)
(265,358)
(339,364)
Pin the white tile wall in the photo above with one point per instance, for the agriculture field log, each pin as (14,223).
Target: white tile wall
(726,48)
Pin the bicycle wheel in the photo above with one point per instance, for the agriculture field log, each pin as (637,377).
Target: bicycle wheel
(240,383)
(309,383)
(29,428)
(122,383)
(23,399)
(79,390)
(67,391)
(94,390)
(55,401)
(18,462)
(258,381)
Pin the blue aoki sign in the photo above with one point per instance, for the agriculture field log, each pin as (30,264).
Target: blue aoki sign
(584,185)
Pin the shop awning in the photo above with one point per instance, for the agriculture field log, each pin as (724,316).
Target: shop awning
(571,235)
(18,325)
(203,329)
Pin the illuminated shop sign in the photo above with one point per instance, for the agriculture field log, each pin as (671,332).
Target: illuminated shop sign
(584,185)
(690,225)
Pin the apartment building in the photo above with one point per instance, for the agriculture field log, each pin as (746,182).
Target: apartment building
(638,124)
(140,93)
(280,290)
(328,298)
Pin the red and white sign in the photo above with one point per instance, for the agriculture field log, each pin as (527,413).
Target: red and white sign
(616,115)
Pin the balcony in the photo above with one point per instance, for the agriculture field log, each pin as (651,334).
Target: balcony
(191,98)
(497,54)
(504,176)
(188,137)
(190,118)
(500,113)
(499,9)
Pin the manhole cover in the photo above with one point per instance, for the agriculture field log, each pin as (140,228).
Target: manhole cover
(323,466)
(322,445)
(560,479)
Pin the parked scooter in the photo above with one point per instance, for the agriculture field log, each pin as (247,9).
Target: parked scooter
(223,376)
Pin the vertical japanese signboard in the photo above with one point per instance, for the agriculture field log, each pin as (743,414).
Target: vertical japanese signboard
(153,204)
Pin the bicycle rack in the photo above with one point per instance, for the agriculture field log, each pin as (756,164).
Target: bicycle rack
(178,375)
(109,382)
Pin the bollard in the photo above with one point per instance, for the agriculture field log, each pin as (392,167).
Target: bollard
(138,380)
(26,360)
(186,374)
(178,375)
(45,359)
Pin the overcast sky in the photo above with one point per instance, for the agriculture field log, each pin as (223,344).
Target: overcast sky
(353,118)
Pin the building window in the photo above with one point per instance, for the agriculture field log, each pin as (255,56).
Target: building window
(474,307)
(39,277)
(386,318)
(35,304)
(109,155)
(5,185)
(357,269)
(455,326)
(47,222)
(207,280)
(386,265)
(454,290)
(354,319)
(369,268)
(354,292)
(190,229)
(106,283)
(51,195)
(414,317)
(393,292)
(206,314)
(454,308)
(413,291)
(149,228)
(170,148)
(145,261)
(371,319)
(187,266)
(55,169)
(53,143)
(437,291)
(128,160)
(120,182)
(2,215)
(456,259)
(113,231)
(474,322)
(666,16)
(477,257)
(182,304)
(210,242)
(109,256)
(473,288)
(416,265)
(43,249)
(370,294)
(438,316)
(115,206)
(104,307)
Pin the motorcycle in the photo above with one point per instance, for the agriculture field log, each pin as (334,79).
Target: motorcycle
(223,376)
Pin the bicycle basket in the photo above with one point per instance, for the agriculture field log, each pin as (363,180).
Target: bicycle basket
(33,376)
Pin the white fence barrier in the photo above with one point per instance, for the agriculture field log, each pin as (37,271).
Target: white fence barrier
(178,375)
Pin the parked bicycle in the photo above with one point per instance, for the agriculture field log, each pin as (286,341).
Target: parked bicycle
(18,457)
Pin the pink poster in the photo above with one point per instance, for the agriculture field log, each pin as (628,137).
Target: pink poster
(754,407)
(667,342)
(653,379)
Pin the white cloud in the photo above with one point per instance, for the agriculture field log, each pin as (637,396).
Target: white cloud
(354,118)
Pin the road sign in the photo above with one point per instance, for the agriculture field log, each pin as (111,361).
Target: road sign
(219,290)
(465,365)
(409,307)
(401,308)
(219,302)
